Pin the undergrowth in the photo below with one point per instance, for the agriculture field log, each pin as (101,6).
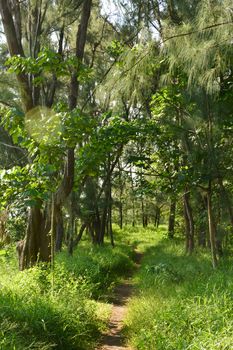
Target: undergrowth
(64,309)
(180,302)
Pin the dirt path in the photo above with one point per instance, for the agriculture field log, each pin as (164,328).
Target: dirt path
(114,339)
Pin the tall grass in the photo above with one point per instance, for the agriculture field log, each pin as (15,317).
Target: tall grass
(64,309)
(180,301)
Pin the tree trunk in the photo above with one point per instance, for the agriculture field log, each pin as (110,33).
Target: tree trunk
(59,228)
(189,223)
(37,241)
(201,224)
(110,231)
(212,227)
(144,216)
(121,215)
(133,201)
(201,236)
(104,218)
(75,242)
(121,196)
(157,216)
(134,216)
(171,222)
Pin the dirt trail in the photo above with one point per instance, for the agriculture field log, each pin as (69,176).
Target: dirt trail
(114,339)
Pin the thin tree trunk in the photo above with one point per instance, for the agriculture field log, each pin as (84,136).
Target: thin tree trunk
(212,227)
(189,223)
(59,229)
(110,218)
(133,201)
(157,216)
(121,215)
(74,243)
(121,195)
(144,223)
(171,222)
(201,206)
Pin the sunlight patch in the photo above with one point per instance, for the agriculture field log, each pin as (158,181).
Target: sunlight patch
(43,124)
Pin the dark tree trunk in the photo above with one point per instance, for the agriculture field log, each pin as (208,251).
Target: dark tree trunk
(110,231)
(201,224)
(75,242)
(189,223)
(106,188)
(171,221)
(121,197)
(104,218)
(212,227)
(145,220)
(102,227)
(121,215)
(157,216)
(37,241)
(59,229)
(93,230)
(144,216)
(133,201)
(201,236)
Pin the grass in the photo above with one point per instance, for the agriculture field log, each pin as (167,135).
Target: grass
(180,301)
(70,313)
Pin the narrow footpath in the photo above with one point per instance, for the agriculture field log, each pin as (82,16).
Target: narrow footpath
(114,340)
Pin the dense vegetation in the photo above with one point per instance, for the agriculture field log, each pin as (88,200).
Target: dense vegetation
(180,301)
(65,308)
(112,115)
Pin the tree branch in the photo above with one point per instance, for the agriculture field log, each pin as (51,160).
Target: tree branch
(196,31)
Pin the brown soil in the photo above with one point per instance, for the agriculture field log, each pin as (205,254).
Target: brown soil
(114,340)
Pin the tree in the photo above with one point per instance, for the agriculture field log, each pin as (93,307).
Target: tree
(37,241)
